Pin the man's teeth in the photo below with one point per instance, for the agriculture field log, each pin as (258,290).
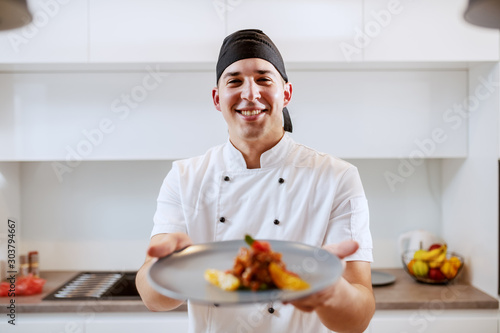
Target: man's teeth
(250,112)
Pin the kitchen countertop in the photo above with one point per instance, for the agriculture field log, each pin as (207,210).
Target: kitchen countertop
(405,293)
(54,280)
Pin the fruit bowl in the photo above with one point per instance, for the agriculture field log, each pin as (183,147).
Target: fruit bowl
(433,269)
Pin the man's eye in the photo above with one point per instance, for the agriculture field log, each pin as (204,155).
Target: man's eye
(233,81)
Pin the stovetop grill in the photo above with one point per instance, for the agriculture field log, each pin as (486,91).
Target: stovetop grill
(97,285)
(88,285)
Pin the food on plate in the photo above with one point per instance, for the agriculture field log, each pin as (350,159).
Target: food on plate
(223,280)
(256,267)
(286,280)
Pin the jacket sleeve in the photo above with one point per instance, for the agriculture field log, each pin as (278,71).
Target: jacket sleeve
(169,216)
(350,218)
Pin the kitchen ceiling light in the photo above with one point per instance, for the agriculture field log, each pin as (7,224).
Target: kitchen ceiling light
(14,14)
(484,13)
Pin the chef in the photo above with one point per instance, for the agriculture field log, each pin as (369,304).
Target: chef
(261,182)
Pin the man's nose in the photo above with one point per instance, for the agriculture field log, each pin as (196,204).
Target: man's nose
(250,91)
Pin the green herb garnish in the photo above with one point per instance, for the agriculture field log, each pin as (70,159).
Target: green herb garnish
(249,240)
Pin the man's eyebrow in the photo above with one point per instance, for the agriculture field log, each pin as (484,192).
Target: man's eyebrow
(263,72)
(258,71)
(231,74)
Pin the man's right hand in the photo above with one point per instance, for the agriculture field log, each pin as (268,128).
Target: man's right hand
(159,246)
(164,244)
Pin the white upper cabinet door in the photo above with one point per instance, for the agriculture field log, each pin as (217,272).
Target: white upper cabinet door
(382,114)
(154,31)
(304,31)
(57,34)
(424,30)
(75,116)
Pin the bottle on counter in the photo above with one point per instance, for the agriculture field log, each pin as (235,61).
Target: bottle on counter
(33,263)
(24,267)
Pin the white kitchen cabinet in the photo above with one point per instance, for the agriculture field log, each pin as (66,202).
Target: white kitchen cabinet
(380,114)
(154,31)
(311,31)
(434,319)
(172,322)
(424,30)
(45,323)
(95,322)
(150,114)
(57,34)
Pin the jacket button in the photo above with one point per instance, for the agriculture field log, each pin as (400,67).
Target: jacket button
(281,180)
(276,222)
(222,219)
(270,310)
(227,179)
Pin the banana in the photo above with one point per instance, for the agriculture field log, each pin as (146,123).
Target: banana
(433,254)
(438,262)
(430,255)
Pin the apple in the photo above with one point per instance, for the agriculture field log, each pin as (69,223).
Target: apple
(435,246)
(436,274)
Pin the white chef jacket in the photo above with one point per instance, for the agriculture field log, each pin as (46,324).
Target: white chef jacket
(298,194)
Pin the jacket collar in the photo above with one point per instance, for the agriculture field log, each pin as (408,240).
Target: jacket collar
(272,157)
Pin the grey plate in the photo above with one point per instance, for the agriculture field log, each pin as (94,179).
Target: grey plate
(180,275)
(382,279)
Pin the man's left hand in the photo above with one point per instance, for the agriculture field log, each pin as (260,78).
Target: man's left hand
(321,298)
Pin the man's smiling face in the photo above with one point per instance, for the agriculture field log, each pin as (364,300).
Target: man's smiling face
(251,95)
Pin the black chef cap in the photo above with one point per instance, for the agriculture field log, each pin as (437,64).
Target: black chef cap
(252,43)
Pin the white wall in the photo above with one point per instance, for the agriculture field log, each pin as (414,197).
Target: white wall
(10,209)
(10,197)
(470,187)
(411,205)
(99,217)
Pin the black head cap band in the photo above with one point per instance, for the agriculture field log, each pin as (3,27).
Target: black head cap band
(252,43)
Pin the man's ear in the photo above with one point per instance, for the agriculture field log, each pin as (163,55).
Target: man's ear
(287,93)
(215,98)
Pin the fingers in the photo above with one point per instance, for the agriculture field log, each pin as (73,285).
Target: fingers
(164,244)
(311,302)
(343,249)
(303,308)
